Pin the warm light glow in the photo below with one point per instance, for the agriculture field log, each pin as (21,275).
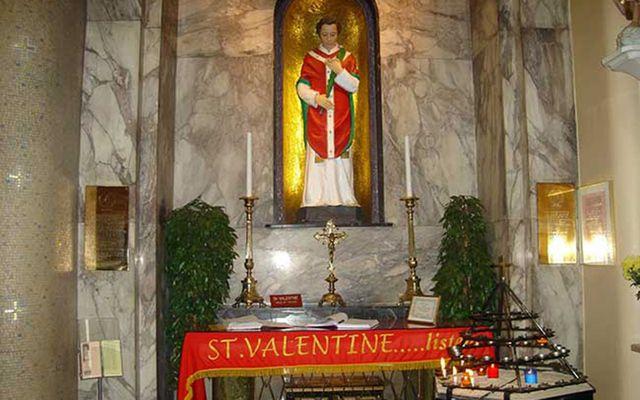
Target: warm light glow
(597,250)
(559,249)
(443,366)
(281,260)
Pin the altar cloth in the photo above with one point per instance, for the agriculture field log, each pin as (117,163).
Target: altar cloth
(218,354)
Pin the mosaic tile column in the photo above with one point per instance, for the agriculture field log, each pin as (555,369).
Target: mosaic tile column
(40,86)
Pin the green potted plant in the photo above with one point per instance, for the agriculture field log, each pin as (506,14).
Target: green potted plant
(200,247)
(465,279)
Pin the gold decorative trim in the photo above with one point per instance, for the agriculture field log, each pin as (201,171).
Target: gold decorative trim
(301,369)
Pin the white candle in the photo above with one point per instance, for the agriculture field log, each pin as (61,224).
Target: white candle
(443,366)
(407,166)
(86,330)
(249,165)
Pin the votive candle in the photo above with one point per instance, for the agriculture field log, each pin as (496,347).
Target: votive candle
(531,376)
(493,372)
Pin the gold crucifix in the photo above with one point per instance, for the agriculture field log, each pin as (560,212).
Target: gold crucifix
(330,236)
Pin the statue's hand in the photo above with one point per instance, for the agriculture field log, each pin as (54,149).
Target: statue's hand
(324,102)
(334,65)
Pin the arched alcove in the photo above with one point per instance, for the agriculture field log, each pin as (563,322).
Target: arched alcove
(294,35)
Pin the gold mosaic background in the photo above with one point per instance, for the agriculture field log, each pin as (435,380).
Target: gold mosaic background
(299,38)
(41,76)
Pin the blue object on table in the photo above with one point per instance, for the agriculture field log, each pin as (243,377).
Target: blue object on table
(531,376)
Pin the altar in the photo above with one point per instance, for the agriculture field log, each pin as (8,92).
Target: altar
(364,359)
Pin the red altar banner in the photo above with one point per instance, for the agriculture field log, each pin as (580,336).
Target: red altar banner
(216,354)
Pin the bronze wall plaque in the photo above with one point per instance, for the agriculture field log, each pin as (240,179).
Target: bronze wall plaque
(106,227)
(556,223)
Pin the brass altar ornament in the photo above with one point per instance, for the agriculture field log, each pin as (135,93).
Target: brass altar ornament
(330,236)
(413,282)
(249,295)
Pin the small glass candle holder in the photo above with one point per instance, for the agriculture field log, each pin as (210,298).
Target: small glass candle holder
(465,381)
(493,372)
(531,376)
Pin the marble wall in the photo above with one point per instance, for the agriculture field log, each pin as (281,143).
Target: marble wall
(127,139)
(225,84)
(526,129)
(482,87)
(109,125)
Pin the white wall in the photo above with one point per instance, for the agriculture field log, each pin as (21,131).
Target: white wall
(608,117)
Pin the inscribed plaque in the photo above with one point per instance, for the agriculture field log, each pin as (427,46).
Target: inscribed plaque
(596,224)
(556,223)
(106,223)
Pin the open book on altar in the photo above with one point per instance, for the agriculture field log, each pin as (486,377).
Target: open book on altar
(339,321)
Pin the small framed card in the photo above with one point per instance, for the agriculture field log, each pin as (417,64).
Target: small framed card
(424,309)
(90,360)
(111,358)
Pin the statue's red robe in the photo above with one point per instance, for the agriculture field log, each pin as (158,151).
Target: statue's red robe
(328,134)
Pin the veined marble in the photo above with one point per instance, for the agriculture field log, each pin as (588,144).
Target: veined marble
(108,157)
(525,116)
(370,263)
(545,13)
(114,10)
(110,101)
(223,87)
(424,29)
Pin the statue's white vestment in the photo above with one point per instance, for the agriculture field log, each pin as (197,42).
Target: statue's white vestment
(328,181)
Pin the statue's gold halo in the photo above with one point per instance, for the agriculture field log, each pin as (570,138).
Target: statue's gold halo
(298,38)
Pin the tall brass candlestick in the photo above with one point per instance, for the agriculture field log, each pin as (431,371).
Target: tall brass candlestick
(413,282)
(249,295)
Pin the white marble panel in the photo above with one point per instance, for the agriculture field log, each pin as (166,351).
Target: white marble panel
(559,303)
(370,263)
(232,29)
(113,10)
(218,100)
(545,13)
(552,158)
(425,29)
(549,104)
(108,157)
(431,101)
(110,101)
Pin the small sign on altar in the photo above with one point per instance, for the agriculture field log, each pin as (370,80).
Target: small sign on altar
(285,300)
(424,309)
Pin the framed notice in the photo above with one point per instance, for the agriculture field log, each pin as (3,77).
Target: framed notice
(424,309)
(111,358)
(597,228)
(90,360)
(556,207)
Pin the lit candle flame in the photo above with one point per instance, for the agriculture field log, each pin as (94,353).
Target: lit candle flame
(470,372)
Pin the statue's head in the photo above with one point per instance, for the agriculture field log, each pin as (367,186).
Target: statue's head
(328,29)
